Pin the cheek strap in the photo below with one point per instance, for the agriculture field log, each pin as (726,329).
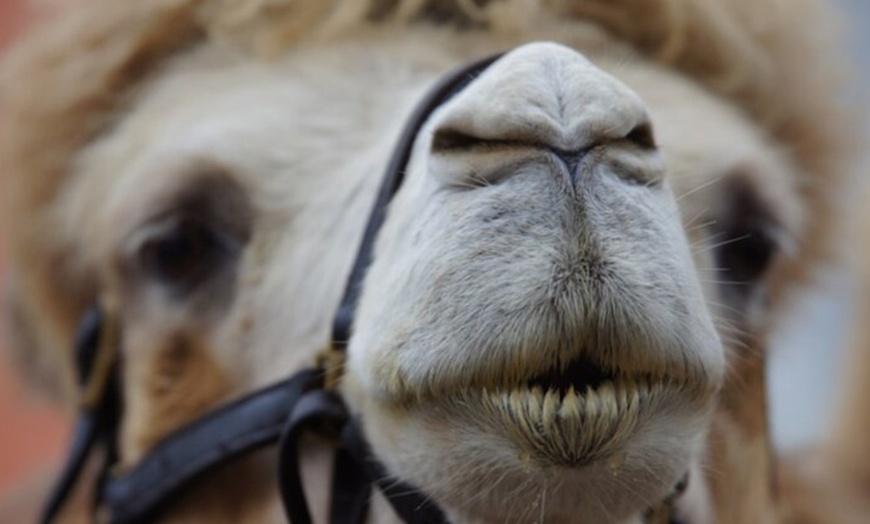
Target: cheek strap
(281,414)
(356,469)
(95,356)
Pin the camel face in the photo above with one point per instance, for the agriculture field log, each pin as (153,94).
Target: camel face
(533,311)
(533,308)
(541,323)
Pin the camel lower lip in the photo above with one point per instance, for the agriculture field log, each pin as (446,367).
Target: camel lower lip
(567,428)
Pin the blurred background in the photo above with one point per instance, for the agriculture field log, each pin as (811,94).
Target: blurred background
(805,369)
(32,434)
(809,349)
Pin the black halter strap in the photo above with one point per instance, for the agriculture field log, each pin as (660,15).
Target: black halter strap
(451,84)
(355,464)
(231,431)
(98,420)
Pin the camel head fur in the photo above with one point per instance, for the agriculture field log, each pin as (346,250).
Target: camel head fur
(588,235)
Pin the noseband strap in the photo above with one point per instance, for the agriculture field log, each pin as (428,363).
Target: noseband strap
(231,431)
(443,91)
(355,465)
(97,422)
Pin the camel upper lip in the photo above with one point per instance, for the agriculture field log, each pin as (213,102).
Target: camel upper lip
(581,375)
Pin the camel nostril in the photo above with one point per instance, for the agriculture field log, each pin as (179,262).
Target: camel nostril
(451,140)
(642,136)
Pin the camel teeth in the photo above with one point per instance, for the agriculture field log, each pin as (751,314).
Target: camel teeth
(552,401)
(550,407)
(535,402)
(608,398)
(620,395)
(571,405)
(592,404)
(517,400)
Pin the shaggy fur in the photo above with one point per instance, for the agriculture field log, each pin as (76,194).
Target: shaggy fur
(123,71)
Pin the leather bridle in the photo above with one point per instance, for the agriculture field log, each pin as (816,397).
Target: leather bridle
(307,402)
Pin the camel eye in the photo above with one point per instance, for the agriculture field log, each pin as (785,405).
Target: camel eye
(184,253)
(747,239)
(746,252)
(194,243)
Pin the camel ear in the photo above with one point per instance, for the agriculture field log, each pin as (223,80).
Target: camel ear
(37,341)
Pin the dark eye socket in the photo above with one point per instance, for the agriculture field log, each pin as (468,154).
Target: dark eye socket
(746,252)
(185,254)
(747,238)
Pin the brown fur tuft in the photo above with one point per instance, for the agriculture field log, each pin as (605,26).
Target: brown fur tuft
(179,383)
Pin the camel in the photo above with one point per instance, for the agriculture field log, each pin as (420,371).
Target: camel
(568,303)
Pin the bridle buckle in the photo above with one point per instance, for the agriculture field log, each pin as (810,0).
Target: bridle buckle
(332,361)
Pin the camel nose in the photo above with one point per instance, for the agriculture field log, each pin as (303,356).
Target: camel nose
(541,96)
